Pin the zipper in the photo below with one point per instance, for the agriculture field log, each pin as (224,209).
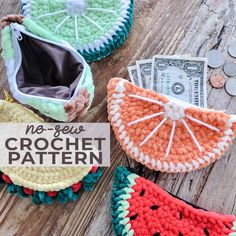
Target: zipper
(17,30)
(21,29)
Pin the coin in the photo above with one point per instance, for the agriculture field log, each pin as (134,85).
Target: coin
(232,49)
(217,81)
(230,68)
(215,58)
(230,86)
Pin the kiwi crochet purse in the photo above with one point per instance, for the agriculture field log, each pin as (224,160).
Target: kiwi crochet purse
(45,72)
(94,27)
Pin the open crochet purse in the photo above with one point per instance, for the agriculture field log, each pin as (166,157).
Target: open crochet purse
(139,207)
(166,134)
(43,184)
(45,72)
(94,27)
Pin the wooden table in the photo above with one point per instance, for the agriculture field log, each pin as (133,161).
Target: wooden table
(160,27)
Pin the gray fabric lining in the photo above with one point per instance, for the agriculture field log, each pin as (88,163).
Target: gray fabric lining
(47,70)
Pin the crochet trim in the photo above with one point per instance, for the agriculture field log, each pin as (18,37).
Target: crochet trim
(117,40)
(121,192)
(140,207)
(71,193)
(110,41)
(53,108)
(118,96)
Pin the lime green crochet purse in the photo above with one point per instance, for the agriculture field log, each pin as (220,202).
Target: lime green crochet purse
(45,72)
(94,27)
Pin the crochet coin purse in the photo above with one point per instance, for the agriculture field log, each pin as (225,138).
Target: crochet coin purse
(140,207)
(43,184)
(166,134)
(94,27)
(46,72)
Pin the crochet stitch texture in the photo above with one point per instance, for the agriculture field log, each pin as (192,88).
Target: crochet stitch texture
(139,207)
(43,184)
(166,134)
(71,193)
(95,27)
(51,108)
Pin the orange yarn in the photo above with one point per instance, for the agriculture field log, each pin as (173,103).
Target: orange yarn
(184,154)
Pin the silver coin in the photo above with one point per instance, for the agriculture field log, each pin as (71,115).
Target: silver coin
(230,86)
(215,58)
(232,49)
(230,69)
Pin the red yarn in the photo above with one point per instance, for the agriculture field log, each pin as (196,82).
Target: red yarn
(28,191)
(52,193)
(152,211)
(6,179)
(76,187)
(94,169)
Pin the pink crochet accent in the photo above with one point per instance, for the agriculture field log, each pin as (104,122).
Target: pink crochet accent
(78,106)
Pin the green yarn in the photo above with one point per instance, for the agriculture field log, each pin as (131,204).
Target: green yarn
(6,42)
(88,84)
(88,32)
(51,109)
(117,40)
(89,180)
(56,110)
(123,180)
(36,200)
(234,225)
(12,188)
(63,196)
(39,31)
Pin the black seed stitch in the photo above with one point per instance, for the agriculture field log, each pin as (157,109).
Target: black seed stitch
(180,234)
(227,226)
(134,217)
(180,215)
(154,207)
(206,232)
(156,234)
(142,193)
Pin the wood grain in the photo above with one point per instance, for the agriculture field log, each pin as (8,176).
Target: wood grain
(160,27)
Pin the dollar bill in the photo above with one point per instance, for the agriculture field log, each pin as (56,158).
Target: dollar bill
(144,69)
(181,77)
(133,74)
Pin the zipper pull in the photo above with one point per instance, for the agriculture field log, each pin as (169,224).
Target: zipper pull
(16,32)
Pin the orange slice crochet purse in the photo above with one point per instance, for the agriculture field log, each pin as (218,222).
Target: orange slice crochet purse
(166,134)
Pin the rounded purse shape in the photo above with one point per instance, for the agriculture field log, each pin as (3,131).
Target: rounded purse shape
(166,134)
(93,27)
(46,72)
(140,207)
(43,184)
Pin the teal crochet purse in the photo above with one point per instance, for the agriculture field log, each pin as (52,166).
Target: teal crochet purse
(94,27)
(45,72)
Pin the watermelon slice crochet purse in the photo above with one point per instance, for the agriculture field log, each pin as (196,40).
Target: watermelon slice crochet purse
(166,134)
(94,27)
(139,207)
(43,184)
(46,72)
